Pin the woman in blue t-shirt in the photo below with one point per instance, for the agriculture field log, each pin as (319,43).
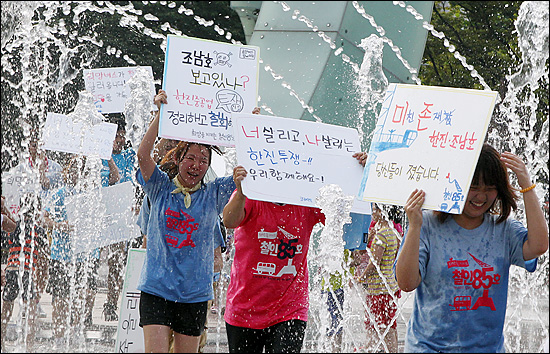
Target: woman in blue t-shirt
(176,279)
(459,264)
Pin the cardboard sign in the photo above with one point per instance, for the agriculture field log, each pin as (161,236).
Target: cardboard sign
(206,83)
(24,178)
(109,89)
(15,183)
(60,133)
(129,336)
(102,216)
(289,160)
(427,138)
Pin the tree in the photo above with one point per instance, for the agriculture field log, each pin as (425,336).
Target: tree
(484,33)
(42,64)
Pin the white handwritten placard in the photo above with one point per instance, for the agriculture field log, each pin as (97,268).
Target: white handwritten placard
(289,160)
(17,182)
(60,133)
(428,138)
(129,338)
(102,216)
(109,89)
(206,83)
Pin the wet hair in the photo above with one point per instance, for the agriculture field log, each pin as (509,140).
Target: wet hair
(491,171)
(168,164)
(395,214)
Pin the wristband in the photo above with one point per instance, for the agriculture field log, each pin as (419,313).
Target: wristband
(528,188)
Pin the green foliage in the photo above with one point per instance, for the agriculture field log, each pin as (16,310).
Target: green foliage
(481,31)
(484,33)
(77,35)
(142,48)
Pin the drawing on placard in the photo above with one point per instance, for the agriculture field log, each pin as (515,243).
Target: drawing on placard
(388,140)
(230,101)
(247,53)
(222,58)
(452,196)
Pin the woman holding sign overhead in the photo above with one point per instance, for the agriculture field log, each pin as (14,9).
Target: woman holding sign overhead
(268,297)
(459,264)
(176,279)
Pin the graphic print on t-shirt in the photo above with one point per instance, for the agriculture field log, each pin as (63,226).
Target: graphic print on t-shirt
(476,279)
(182,223)
(285,247)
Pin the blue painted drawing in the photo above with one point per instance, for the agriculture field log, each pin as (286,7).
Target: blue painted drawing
(387,139)
(455,196)
(384,140)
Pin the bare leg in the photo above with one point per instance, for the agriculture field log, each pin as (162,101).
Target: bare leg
(202,338)
(186,344)
(60,309)
(391,340)
(31,324)
(89,307)
(7,311)
(374,344)
(40,277)
(337,343)
(156,338)
(116,262)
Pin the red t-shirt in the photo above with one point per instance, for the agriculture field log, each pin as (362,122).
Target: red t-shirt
(269,275)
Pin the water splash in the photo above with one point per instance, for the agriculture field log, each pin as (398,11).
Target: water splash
(336,206)
(394,48)
(410,9)
(532,28)
(371,79)
(85,111)
(137,109)
(518,131)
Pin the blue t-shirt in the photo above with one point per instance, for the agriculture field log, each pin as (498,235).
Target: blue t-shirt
(143,217)
(125,163)
(460,304)
(179,263)
(61,249)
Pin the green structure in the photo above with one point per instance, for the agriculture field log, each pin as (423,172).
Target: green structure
(304,47)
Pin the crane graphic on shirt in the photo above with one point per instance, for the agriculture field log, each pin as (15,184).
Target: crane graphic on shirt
(182,223)
(286,248)
(477,279)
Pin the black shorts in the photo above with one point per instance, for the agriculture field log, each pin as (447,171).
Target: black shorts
(183,318)
(59,279)
(11,289)
(283,337)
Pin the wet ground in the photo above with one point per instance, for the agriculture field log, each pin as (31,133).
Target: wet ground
(530,323)
(101,336)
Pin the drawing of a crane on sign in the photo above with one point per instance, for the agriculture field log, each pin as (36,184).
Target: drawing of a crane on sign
(383,139)
(387,139)
(452,197)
